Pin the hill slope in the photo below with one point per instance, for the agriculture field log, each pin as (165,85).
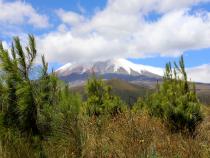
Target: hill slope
(129,92)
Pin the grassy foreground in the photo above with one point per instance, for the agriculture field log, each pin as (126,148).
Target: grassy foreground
(129,134)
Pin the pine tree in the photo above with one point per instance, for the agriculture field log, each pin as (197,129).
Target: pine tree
(21,111)
(100,101)
(3,97)
(10,74)
(176,101)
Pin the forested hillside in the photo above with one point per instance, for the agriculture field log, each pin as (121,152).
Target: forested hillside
(43,118)
(130,92)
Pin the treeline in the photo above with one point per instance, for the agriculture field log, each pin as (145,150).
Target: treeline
(38,114)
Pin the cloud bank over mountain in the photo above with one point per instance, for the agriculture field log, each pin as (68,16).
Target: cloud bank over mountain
(121,30)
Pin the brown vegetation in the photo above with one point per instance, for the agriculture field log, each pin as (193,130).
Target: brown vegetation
(128,135)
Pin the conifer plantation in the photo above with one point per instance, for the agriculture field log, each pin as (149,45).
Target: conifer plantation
(41,117)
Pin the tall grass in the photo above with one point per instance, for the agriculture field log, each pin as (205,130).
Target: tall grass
(129,134)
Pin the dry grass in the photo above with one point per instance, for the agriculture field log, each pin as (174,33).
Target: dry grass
(133,135)
(128,135)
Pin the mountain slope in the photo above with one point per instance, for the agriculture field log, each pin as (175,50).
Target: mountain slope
(116,68)
(119,66)
(129,92)
(77,73)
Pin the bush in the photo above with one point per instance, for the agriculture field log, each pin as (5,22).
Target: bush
(176,101)
(100,101)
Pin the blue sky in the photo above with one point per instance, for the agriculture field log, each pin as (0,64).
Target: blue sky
(151,33)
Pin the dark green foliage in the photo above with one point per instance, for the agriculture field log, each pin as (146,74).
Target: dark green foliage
(176,101)
(99,98)
(25,97)
(48,86)
(2,91)
(11,77)
(65,119)
(43,107)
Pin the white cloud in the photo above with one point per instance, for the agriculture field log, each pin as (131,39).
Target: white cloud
(174,33)
(19,12)
(70,18)
(65,47)
(161,6)
(120,30)
(199,74)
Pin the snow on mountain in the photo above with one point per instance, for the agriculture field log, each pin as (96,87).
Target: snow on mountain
(129,66)
(120,66)
(70,68)
(125,67)
(65,67)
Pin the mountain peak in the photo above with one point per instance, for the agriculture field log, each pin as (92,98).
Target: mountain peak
(120,60)
(122,68)
(114,66)
(66,66)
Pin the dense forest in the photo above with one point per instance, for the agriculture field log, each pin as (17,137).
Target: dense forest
(40,117)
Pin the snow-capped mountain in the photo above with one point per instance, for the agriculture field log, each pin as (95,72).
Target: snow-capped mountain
(126,70)
(117,66)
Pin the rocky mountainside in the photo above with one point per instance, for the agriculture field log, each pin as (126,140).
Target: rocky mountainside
(78,73)
(116,68)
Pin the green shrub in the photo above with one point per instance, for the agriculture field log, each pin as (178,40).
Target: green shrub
(100,101)
(176,101)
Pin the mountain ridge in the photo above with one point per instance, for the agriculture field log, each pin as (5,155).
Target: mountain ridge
(124,69)
(78,73)
(120,66)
